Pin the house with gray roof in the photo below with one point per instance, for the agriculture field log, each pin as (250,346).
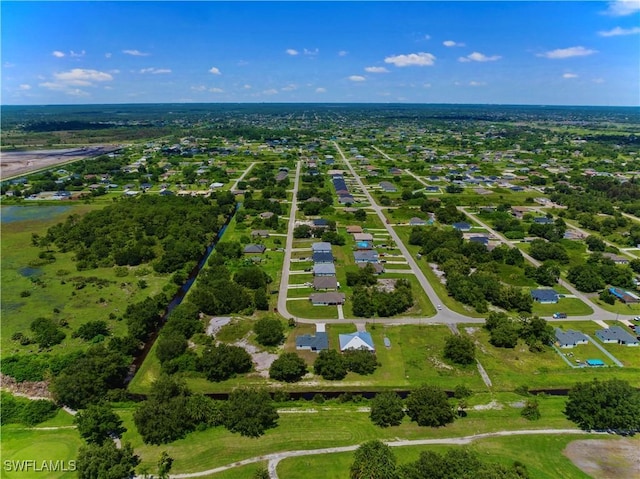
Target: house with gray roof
(616,335)
(321,247)
(309,342)
(570,338)
(365,256)
(388,187)
(325,283)
(324,269)
(254,249)
(327,299)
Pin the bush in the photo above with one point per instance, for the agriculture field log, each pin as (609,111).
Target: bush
(288,367)
(269,331)
(460,349)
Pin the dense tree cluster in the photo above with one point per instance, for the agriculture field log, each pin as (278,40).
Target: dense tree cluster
(457,258)
(505,331)
(368,302)
(24,411)
(216,293)
(249,412)
(106,461)
(98,423)
(46,332)
(269,331)
(139,230)
(429,406)
(289,367)
(223,361)
(597,272)
(387,409)
(611,404)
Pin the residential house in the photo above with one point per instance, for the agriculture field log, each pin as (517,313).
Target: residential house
(266,215)
(519,211)
(317,342)
(617,335)
(324,269)
(320,223)
(363,237)
(351,229)
(624,296)
(254,249)
(325,282)
(388,187)
(357,340)
(260,234)
(415,221)
(322,258)
(617,259)
(365,256)
(327,299)
(545,296)
(462,226)
(543,220)
(570,338)
(378,267)
(321,247)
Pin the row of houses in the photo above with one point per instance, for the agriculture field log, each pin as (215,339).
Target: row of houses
(320,340)
(612,335)
(324,276)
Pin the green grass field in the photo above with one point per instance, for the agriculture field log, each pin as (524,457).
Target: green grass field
(541,454)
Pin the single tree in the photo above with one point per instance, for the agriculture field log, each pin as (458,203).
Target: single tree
(269,331)
(164,465)
(373,460)
(106,461)
(250,412)
(289,367)
(460,349)
(429,406)
(531,410)
(387,409)
(98,423)
(330,365)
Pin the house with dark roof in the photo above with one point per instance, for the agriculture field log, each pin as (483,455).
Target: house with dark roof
(320,223)
(462,226)
(346,199)
(322,258)
(324,269)
(365,256)
(260,234)
(545,296)
(254,249)
(616,335)
(325,282)
(617,259)
(543,220)
(432,189)
(357,340)
(483,240)
(327,299)
(317,342)
(570,338)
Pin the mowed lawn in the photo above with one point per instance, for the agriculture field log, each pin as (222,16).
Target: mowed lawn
(510,368)
(542,455)
(20,443)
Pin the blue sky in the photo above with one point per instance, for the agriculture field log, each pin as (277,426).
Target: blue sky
(560,53)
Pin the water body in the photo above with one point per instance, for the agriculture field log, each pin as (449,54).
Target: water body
(12,214)
(178,298)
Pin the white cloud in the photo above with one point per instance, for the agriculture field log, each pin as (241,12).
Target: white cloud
(376,70)
(477,83)
(292,52)
(215,71)
(77,54)
(311,52)
(57,54)
(271,91)
(155,71)
(290,87)
(357,78)
(569,75)
(82,76)
(24,87)
(622,8)
(108,55)
(479,57)
(135,53)
(617,31)
(451,43)
(198,88)
(427,37)
(216,90)
(246,87)
(321,90)
(413,59)
(561,53)
(343,53)
(77,92)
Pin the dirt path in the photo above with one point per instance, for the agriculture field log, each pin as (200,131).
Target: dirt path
(275,458)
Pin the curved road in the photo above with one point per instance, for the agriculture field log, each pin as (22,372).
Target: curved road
(276,457)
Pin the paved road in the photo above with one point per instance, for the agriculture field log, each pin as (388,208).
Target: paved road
(444,315)
(235,185)
(286,264)
(275,458)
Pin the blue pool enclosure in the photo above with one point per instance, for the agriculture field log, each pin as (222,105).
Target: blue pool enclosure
(595,362)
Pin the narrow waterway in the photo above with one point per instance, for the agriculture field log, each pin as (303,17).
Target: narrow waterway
(178,298)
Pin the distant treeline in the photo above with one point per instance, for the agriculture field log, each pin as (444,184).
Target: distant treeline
(46,126)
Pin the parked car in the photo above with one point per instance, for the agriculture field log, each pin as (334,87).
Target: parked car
(559,315)
(637,318)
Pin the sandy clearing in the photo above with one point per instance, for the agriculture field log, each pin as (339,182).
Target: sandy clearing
(606,459)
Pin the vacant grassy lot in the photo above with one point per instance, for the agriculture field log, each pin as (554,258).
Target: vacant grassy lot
(32,287)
